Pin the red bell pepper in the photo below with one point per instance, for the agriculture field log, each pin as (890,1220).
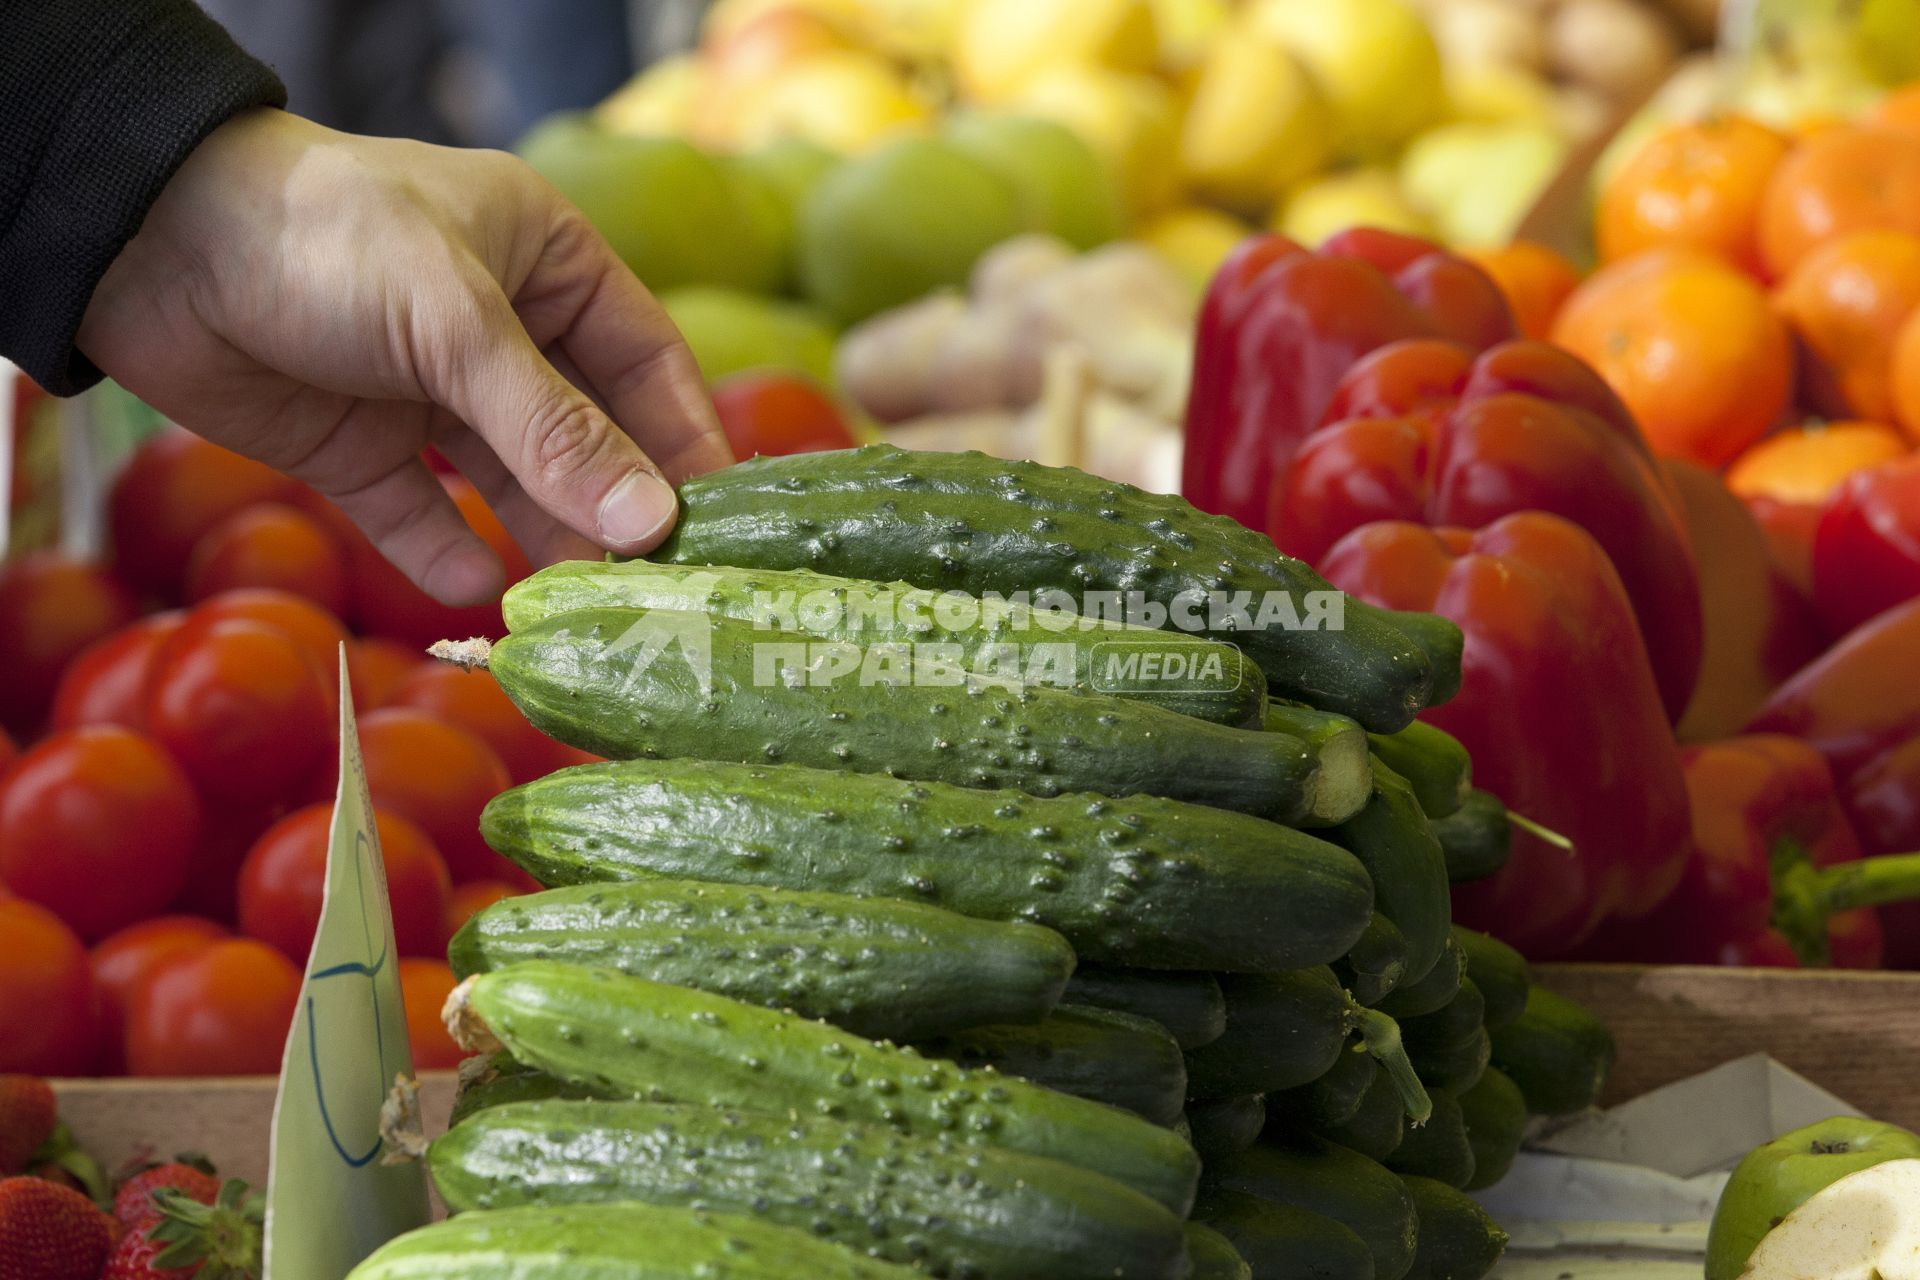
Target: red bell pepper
(1557,705)
(1280,326)
(1424,430)
(1866,549)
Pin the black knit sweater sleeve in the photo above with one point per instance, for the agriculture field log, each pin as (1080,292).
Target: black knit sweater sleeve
(100,101)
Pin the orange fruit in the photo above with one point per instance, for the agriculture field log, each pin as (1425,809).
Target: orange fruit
(1846,302)
(1694,186)
(1690,344)
(1904,377)
(1806,464)
(1849,178)
(1899,110)
(1535,279)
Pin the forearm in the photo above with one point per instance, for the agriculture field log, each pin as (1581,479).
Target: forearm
(100,102)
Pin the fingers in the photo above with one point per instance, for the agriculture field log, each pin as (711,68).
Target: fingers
(545,540)
(416,525)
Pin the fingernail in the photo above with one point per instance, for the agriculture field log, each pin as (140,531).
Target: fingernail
(638,508)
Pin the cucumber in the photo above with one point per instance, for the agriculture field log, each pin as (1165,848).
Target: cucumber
(1499,972)
(1438,1149)
(1221,1126)
(1377,1126)
(495,1079)
(1391,838)
(675,1044)
(1431,992)
(880,967)
(1083,654)
(1374,965)
(638,684)
(973,523)
(1557,1052)
(1283,1029)
(615,1242)
(1211,1256)
(1115,1058)
(1450,1047)
(1477,839)
(1329,1101)
(930,1203)
(1145,882)
(1282,1241)
(1434,763)
(1335,738)
(1189,1005)
(1458,1241)
(1495,1114)
(1320,1177)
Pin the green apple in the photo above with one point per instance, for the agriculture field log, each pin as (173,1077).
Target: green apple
(1775,1179)
(1066,188)
(731,331)
(773,183)
(1477,181)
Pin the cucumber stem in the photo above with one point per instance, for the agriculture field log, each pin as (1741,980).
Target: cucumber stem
(1533,828)
(465,654)
(1806,897)
(401,1127)
(1381,1035)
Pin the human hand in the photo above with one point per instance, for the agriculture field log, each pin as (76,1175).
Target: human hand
(332,304)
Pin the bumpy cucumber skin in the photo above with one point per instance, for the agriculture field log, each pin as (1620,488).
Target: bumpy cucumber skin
(1392,839)
(1432,992)
(1376,964)
(954,1209)
(1283,1241)
(1500,973)
(1332,1181)
(1110,1057)
(1438,1149)
(1557,1052)
(674,1044)
(615,1242)
(1450,1047)
(1495,1113)
(973,523)
(1329,1101)
(1283,1029)
(1220,1127)
(591,680)
(1458,1241)
(1238,697)
(1144,882)
(498,1080)
(1477,839)
(1189,1005)
(1434,763)
(880,967)
(1212,1256)
(1377,1126)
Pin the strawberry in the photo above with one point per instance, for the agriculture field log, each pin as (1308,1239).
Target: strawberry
(133,1202)
(48,1232)
(27,1117)
(188,1238)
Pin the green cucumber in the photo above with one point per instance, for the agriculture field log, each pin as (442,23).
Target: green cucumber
(1282,1241)
(615,1242)
(1438,1149)
(1329,1101)
(1142,881)
(1476,839)
(973,523)
(1391,838)
(1557,1052)
(639,684)
(1495,1113)
(924,1202)
(1432,992)
(495,1079)
(1211,1256)
(1499,972)
(1450,1047)
(1434,763)
(1333,737)
(1376,1127)
(1110,1057)
(1221,1126)
(674,1044)
(1458,1241)
(1189,1005)
(880,967)
(1320,1177)
(1374,965)
(1084,654)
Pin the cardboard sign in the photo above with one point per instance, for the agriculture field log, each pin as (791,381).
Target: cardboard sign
(330,1201)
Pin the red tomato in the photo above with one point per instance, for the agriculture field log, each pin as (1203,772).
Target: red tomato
(386,603)
(473,897)
(474,701)
(49,1015)
(424,987)
(125,960)
(270,545)
(107,682)
(778,413)
(51,607)
(213,877)
(97,825)
(317,633)
(174,489)
(379,669)
(221,1011)
(284,879)
(241,708)
(440,777)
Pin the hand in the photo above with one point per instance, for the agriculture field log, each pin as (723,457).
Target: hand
(332,304)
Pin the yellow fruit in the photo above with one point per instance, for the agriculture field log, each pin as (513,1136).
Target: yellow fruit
(1477,181)
(1187,31)
(843,101)
(1375,59)
(1194,238)
(663,99)
(1369,197)
(1131,121)
(727,18)
(1495,95)
(1257,122)
(1002,45)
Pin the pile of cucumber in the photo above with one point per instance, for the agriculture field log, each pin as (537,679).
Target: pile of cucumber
(984,980)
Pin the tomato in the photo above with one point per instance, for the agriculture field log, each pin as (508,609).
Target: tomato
(440,777)
(474,701)
(124,960)
(213,877)
(51,607)
(106,683)
(768,412)
(97,825)
(49,1014)
(242,709)
(379,669)
(270,545)
(469,899)
(386,603)
(172,490)
(315,632)
(221,1011)
(284,879)
(424,987)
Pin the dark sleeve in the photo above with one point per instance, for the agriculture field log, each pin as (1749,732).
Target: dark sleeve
(100,101)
